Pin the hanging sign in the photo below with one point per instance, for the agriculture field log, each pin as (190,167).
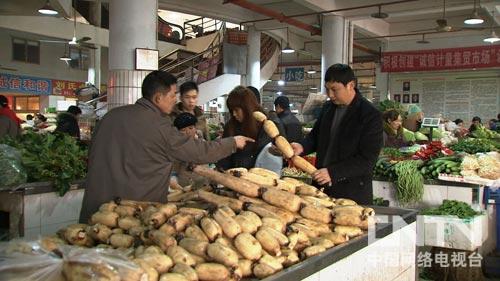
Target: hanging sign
(441,59)
(294,74)
(65,88)
(24,84)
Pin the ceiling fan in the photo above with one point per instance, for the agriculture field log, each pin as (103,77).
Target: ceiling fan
(441,24)
(78,42)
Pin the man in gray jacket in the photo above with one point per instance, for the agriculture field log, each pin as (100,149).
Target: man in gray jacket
(134,146)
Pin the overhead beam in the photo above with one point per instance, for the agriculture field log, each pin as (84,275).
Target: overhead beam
(274,15)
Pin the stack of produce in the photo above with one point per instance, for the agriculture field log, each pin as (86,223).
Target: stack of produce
(446,165)
(258,227)
(282,144)
(484,133)
(485,166)
(452,208)
(50,157)
(409,181)
(432,150)
(473,146)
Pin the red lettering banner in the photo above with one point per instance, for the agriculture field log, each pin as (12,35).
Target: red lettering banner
(441,59)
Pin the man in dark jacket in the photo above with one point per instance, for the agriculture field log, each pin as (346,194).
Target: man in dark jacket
(347,138)
(293,129)
(67,122)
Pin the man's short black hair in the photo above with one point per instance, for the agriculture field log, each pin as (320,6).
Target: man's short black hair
(282,101)
(75,110)
(4,102)
(157,81)
(29,117)
(188,86)
(185,119)
(341,73)
(255,91)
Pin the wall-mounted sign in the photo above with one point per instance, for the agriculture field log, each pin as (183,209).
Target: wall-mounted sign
(65,88)
(294,74)
(25,84)
(146,59)
(442,59)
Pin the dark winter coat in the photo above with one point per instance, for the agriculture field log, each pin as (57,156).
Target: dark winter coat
(293,128)
(68,124)
(355,148)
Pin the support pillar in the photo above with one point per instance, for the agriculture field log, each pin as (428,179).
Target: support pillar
(253,58)
(333,44)
(132,24)
(382,83)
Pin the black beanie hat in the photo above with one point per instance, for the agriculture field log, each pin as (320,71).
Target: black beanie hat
(184,120)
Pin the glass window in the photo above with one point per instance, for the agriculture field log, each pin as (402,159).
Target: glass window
(25,50)
(25,104)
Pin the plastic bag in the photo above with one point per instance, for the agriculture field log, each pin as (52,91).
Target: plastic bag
(13,172)
(30,261)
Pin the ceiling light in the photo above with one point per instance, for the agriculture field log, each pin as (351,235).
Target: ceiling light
(65,57)
(47,9)
(474,19)
(281,82)
(73,41)
(279,93)
(423,40)
(379,14)
(314,88)
(492,38)
(288,50)
(311,71)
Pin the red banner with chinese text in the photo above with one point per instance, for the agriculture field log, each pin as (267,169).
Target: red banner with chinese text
(442,59)
(65,88)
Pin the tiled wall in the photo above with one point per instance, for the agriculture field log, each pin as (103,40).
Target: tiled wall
(46,213)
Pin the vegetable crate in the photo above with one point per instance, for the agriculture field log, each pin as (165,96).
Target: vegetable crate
(452,232)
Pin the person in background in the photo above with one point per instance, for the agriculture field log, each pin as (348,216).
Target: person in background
(67,122)
(241,103)
(6,111)
(293,128)
(476,124)
(271,115)
(414,119)
(393,129)
(347,139)
(460,130)
(41,121)
(8,127)
(450,126)
(498,122)
(186,124)
(29,120)
(188,103)
(134,146)
(492,124)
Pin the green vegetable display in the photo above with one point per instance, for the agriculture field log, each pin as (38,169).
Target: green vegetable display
(448,165)
(51,157)
(387,105)
(11,166)
(452,208)
(391,152)
(420,137)
(408,136)
(473,146)
(409,182)
(484,133)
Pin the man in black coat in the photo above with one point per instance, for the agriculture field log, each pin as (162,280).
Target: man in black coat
(293,129)
(67,122)
(347,138)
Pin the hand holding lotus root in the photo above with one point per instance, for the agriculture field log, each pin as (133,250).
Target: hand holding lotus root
(282,144)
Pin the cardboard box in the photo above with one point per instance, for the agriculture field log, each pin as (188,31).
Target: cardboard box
(452,232)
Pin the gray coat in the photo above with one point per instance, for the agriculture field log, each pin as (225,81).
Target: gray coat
(132,152)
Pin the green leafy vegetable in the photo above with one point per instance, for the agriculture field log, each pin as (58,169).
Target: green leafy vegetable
(473,146)
(51,157)
(452,208)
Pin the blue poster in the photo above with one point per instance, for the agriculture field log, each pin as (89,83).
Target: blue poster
(294,74)
(25,84)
